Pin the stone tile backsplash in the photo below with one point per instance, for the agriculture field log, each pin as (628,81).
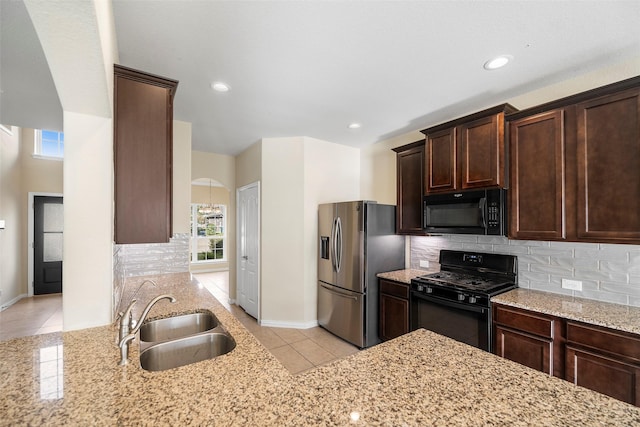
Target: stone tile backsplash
(148,259)
(608,272)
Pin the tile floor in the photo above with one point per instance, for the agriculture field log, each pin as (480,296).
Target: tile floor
(32,316)
(297,349)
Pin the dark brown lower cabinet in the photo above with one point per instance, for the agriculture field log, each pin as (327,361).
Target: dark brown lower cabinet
(525,349)
(604,360)
(531,339)
(594,357)
(394,309)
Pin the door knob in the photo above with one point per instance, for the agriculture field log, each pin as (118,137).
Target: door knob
(245,257)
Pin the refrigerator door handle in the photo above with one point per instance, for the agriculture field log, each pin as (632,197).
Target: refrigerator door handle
(340,294)
(338,244)
(333,244)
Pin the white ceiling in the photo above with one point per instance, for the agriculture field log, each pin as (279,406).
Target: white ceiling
(309,68)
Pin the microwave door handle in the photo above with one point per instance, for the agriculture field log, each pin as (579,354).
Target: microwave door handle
(483,210)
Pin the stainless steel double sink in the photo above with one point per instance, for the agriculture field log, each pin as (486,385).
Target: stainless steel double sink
(181,340)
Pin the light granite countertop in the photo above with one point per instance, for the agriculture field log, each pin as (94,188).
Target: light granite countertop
(73,378)
(404,276)
(616,316)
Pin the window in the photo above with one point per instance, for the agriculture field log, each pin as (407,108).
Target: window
(208,232)
(48,144)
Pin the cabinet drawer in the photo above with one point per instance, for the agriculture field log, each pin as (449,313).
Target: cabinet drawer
(607,340)
(396,289)
(524,321)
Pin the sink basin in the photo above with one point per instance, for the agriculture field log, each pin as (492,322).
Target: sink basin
(177,327)
(183,351)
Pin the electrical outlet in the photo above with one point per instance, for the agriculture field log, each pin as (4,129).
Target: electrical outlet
(575,285)
(424,264)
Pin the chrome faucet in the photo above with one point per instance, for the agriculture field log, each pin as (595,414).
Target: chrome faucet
(129,328)
(124,318)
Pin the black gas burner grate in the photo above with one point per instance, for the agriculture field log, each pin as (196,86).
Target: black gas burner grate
(463,281)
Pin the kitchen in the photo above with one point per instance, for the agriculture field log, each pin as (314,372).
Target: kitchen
(379,184)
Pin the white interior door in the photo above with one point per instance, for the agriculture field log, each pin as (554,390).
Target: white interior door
(249,249)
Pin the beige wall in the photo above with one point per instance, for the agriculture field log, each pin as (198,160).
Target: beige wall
(298,174)
(21,174)
(331,174)
(249,165)
(88,221)
(12,238)
(202,194)
(181,177)
(282,230)
(40,175)
(223,170)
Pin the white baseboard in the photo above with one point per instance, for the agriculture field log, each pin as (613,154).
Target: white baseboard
(13,301)
(232,301)
(292,325)
(208,270)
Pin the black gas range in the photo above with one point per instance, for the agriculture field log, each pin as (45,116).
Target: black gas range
(456,300)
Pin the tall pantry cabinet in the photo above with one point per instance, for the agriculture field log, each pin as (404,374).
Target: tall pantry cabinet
(143,126)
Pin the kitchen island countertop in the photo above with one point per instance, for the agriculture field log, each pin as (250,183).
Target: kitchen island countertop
(421,378)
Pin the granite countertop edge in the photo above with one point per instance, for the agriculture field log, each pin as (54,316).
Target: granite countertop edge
(614,316)
(398,382)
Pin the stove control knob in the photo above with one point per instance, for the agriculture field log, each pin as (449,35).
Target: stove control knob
(472,300)
(460,297)
(428,290)
(419,288)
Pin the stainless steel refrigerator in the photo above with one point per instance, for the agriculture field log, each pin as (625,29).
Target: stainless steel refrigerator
(357,240)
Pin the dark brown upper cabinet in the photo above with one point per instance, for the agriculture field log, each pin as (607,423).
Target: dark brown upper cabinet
(467,153)
(143,148)
(608,155)
(537,181)
(410,179)
(575,167)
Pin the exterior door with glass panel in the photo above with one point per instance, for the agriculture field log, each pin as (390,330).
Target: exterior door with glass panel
(47,245)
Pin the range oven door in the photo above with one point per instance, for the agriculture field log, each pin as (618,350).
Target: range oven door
(463,322)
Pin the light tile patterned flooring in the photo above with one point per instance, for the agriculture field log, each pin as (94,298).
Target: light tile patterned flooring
(297,349)
(32,316)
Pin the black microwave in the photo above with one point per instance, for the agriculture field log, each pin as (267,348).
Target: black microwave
(467,212)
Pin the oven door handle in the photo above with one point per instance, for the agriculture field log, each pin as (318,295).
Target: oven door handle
(449,303)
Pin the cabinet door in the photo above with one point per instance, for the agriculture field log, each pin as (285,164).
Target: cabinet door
(143,123)
(410,165)
(481,152)
(394,317)
(528,350)
(608,158)
(603,374)
(529,338)
(537,194)
(442,170)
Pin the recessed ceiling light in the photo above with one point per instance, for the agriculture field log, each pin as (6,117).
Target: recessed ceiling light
(355,126)
(497,62)
(220,87)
